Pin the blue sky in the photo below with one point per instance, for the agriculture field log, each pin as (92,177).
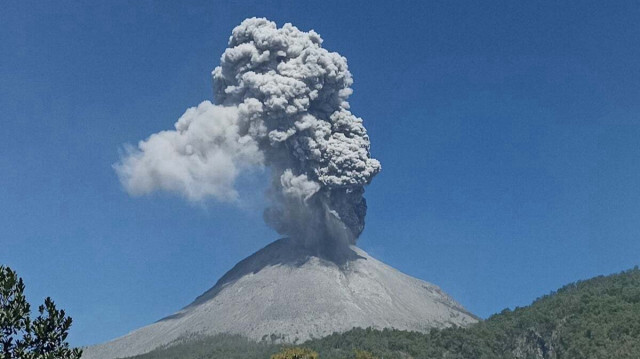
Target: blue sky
(507,131)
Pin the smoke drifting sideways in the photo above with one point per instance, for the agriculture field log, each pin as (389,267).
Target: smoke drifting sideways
(280,102)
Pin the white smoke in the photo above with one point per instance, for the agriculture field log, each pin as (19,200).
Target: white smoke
(200,159)
(281,102)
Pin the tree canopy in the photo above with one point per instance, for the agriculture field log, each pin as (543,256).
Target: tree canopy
(21,337)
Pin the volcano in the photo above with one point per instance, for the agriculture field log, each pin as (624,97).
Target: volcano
(291,294)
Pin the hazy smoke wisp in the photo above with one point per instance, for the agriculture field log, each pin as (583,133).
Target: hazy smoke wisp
(281,102)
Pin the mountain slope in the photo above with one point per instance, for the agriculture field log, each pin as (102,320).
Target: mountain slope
(287,293)
(597,318)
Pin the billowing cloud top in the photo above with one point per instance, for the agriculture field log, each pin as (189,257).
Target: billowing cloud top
(281,102)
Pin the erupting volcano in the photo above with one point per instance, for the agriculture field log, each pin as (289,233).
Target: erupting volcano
(281,103)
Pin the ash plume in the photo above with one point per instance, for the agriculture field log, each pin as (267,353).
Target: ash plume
(280,102)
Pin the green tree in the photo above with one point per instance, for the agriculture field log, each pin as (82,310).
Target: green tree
(295,353)
(23,338)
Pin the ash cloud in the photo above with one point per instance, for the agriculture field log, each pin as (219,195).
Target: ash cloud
(280,102)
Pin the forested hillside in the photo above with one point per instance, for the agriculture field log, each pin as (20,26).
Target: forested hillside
(596,318)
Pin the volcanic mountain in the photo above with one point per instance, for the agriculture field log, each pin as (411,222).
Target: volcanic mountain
(288,292)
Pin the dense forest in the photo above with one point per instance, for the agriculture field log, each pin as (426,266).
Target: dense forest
(596,318)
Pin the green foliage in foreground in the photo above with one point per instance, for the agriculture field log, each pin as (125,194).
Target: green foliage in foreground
(22,338)
(597,319)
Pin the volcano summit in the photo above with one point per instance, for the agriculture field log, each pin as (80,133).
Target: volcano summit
(286,291)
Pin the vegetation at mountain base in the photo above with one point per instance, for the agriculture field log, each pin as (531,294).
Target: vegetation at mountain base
(22,338)
(295,353)
(363,354)
(597,318)
(228,346)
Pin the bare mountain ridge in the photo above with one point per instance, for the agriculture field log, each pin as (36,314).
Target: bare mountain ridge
(294,294)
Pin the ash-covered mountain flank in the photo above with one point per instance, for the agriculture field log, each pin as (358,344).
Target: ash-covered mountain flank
(289,291)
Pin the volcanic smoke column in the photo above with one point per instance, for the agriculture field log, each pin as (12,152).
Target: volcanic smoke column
(281,102)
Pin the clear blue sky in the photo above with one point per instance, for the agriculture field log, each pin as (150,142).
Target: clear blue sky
(508,134)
